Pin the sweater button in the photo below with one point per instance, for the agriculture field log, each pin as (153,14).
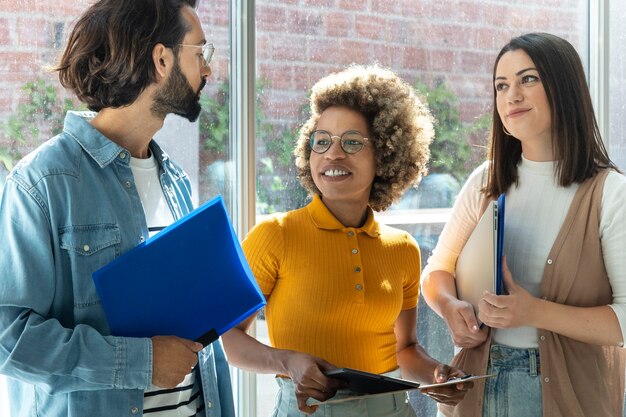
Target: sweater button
(546,380)
(549,261)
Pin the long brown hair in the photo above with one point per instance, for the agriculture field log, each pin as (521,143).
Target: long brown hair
(108,58)
(576,141)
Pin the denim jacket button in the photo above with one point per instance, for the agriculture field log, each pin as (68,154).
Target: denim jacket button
(134,410)
(86,248)
(209,404)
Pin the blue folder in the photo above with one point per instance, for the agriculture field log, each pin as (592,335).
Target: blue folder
(190,280)
(500,245)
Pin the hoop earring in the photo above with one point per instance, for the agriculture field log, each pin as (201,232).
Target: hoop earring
(506,132)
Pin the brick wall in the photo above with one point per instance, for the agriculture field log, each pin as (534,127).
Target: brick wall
(299,41)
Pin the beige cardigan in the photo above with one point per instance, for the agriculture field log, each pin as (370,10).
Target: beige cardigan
(577,379)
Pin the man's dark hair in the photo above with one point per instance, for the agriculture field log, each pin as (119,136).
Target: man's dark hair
(108,58)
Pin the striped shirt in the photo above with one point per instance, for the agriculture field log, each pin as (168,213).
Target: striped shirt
(185,400)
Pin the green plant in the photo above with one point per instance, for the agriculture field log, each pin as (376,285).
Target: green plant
(277,186)
(39,116)
(451,151)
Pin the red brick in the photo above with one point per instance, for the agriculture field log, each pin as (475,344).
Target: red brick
(339,24)
(373,28)
(386,7)
(451,36)
(408,8)
(280,77)
(405,31)
(352,5)
(388,55)
(491,40)
(5,35)
(306,76)
(441,60)
(415,58)
(289,48)
(6,101)
(271,19)
(305,22)
(480,62)
(318,3)
(32,33)
(355,51)
(324,51)
(214,13)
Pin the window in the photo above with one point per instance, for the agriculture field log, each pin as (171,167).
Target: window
(615,89)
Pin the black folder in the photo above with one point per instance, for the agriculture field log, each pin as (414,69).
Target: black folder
(190,280)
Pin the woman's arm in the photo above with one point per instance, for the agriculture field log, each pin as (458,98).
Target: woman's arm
(439,290)
(438,284)
(306,371)
(594,325)
(417,365)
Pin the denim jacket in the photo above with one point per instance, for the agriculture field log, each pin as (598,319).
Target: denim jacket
(66,210)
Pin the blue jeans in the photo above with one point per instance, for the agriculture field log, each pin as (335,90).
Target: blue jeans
(515,391)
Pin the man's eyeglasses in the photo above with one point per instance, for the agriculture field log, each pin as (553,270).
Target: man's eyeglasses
(351,141)
(207,51)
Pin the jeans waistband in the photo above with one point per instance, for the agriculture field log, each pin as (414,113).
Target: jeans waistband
(523,358)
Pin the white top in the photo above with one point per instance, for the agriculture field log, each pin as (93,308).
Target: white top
(534,213)
(184,400)
(146,174)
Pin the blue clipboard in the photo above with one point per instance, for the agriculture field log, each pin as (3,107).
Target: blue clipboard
(190,280)
(500,245)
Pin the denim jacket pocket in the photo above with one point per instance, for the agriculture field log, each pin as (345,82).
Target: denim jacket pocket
(87,248)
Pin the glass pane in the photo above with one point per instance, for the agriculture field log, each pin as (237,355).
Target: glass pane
(617,83)
(617,87)
(445,49)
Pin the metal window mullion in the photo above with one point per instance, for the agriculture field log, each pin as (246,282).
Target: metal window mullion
(243,149)
(599,55)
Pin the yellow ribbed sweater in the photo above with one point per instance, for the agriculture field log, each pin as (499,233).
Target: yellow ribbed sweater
(334,291)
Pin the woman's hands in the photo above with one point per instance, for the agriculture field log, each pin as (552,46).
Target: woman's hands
(461,320)
(448,394)
(307,375)
(516,309)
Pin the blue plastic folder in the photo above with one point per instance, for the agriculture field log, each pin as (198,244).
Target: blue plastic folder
(500,245)
(190,280)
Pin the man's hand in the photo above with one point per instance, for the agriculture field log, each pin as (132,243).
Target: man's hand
(172,359)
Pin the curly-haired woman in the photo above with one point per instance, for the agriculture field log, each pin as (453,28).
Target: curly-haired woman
(342,288)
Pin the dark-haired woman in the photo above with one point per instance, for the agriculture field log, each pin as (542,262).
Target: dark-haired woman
(555,339)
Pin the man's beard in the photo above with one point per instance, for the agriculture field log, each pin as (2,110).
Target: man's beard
(177,97)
